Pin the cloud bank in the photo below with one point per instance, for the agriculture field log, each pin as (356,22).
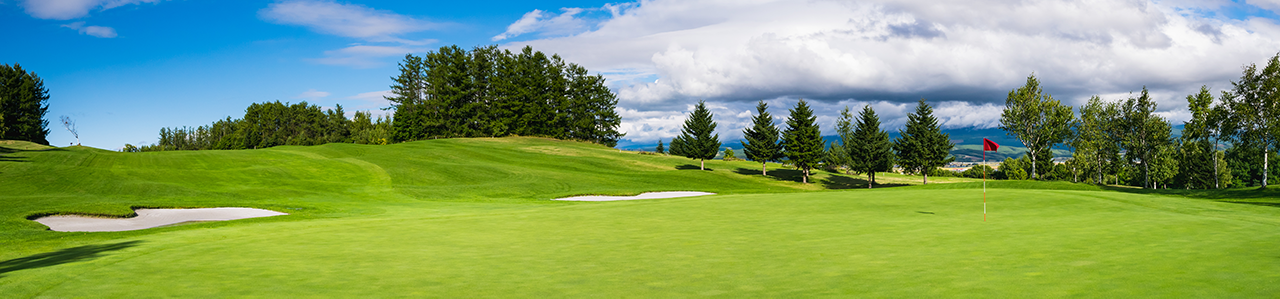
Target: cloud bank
(353,21)
(963,56)
(71,9)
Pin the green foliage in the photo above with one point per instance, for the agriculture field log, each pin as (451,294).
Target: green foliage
(978,172)
(1147,136)
(1014,169)
(272,124)
(838,152)
(1198,169)
(1097,140)
(697,139)
(922,147)
(660,149)
(762,139)
(1035,118)
(23,105)
(870,150)
(729,155)
(1254,119)
(487,92)
(802,140)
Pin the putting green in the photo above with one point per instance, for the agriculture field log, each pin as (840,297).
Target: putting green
(359,239)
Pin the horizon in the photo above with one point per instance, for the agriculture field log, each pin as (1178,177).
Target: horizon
(125,69)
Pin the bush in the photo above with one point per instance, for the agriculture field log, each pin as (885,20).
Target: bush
(976,172)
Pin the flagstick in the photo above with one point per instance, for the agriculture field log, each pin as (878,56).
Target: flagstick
(984,182)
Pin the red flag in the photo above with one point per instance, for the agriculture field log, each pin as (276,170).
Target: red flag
(988,145)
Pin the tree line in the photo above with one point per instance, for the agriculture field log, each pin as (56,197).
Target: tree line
(863,148)
(273,124)
(1229,141)
(23,104)
(487,92)
(446,93)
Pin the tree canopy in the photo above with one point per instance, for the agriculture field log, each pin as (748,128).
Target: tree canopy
(762,139)
(870,152)
(922,147)
(23,105)
(1032,116)
(802,140)
(487,92)
(697,139)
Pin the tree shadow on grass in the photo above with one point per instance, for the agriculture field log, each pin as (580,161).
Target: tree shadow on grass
(692,167)
(835,181)
(1218,194)
(63,256)
(782,174)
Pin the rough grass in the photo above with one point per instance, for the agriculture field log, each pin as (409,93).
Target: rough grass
(469,218)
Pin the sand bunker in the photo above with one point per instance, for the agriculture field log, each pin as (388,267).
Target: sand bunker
(148,218)
(649,195)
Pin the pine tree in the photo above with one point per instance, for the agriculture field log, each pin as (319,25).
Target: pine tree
(870,151)
(802,141)
(23,103)
(762,139)
(923,147)
(660,150)
(697,138)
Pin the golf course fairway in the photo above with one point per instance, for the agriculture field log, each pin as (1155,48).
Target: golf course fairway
(473,218)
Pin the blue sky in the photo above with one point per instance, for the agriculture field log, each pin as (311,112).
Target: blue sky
(125,68)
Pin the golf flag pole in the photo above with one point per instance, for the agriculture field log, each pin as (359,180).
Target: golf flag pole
(987,145)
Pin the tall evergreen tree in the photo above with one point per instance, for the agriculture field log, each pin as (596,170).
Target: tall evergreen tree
(660,149)
(871,151)
(1036,119)
(802,140)
(23,105)
(697,138)
(762,139)
(922,147)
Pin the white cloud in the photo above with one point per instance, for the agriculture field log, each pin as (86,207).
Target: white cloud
(348,20)
(362,56)
(964,55)
(540,21)
(1272,5)
(96,31)
(71,9)
(312,94)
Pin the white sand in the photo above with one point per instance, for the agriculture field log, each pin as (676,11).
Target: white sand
(148,218)
(649,195)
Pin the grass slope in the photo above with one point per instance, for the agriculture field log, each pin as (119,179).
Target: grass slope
(469,218)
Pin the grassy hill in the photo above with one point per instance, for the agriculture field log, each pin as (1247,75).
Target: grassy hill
(470,217)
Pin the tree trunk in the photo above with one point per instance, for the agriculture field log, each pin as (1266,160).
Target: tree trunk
(1214,155)
(926,179)
(871,177)
(1146,173)
(1266,156)
(703,164)
(764,168)
(1033,164)
(805,178)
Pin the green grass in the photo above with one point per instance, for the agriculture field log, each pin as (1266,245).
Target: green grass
(470,217)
